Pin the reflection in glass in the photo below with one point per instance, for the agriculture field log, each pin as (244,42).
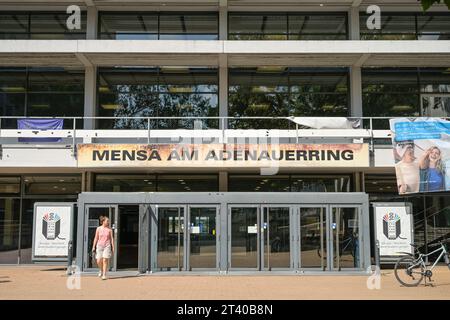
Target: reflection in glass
(276,238)
(170,238)
(202,238)
(408,26)
(282,91)
(9,230)
(158,92)
(346,238)
(279,26)
(244,237)
(39,26)
(313,247)
(159,26)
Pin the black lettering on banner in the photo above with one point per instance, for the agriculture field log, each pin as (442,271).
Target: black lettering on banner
(314,154)
(100,155)
(301,155)
(154,156)
(289,155)
(347,155)
(130,155)
(115,155)
(333,154)
(141,155)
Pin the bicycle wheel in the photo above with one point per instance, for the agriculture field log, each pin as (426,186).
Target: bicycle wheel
(409,272)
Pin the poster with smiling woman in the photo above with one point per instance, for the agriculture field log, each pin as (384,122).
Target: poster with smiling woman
(422,154)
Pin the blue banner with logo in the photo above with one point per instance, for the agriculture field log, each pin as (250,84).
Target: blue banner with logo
(421,154)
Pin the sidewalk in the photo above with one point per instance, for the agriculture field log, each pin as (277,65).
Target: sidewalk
(49,282)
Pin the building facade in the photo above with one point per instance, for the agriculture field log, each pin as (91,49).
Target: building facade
(216,72)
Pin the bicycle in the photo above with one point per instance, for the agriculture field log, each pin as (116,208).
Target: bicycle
(410,271)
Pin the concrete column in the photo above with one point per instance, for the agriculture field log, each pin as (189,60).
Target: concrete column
(223,88)
(353,23)
(223,181)
(90,96)
(223,22)
(356,92)
(91,23)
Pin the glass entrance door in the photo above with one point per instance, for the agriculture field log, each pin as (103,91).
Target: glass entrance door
(203,237)
(93,214)
(244,237)
(171,226)
(345,240)
(276,241)
(313,237)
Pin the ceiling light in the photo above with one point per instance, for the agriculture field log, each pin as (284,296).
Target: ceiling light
(111,106)
(174,69)
(270,69)
(13,89)
(401,108)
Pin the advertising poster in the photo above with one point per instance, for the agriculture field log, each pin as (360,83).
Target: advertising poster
(52,230)
(223,155)
(422,154)
(393,228)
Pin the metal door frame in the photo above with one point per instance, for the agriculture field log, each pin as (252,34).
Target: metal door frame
(188,242)
(324,236)
(258,235)
(332,242)
(114,226)
(183,266)
(262,232)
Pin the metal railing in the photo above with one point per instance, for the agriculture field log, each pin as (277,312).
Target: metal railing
(158,127)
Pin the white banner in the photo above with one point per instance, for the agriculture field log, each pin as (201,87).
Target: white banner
(393,226)
(52,225)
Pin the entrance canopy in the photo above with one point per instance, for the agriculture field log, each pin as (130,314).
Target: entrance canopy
(229,231)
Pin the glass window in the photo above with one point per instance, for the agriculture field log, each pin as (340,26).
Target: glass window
(14,26)
(52,92)
(282,92)
(393,27)
(320,184)
(435,80)
(438,219)
(187,183)
(257,26)
(408,26)
(9,185)
(9,230)
(284,26)
(54,26)
(164,26)
(433,26)
(390,93)
(129,26)
(318,27)
(149,183)
(13,84)
(158,92)
(189,26)
(286,183)
(255,183)
(125,183)
(52,185)
(39,25)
